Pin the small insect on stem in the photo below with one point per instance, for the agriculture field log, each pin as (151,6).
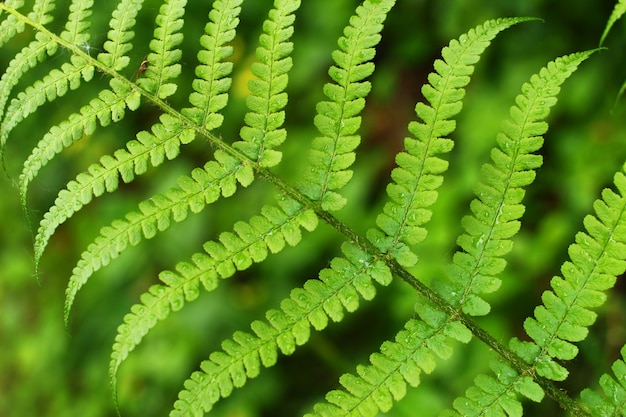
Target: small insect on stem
(143,67)
(141,70)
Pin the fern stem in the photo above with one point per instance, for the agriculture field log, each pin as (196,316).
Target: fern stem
(365,245)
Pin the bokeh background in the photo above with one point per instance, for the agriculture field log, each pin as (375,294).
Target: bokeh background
(46,371)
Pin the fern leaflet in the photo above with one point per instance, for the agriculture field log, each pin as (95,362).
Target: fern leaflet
(108,107)
(163,61)
(148,149)
(420,167)
(267,100)
(338,119)
(156,214)
(597,259)
(28,58)
(613,402)
(11,26)
(378,385)
(616,14)
(118,43)
(210,88)
(495,213)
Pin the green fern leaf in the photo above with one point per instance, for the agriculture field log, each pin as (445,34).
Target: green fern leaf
(616,14)
(262,132)
(163,63)
(563,319)
(597,259)
(420,166)
(77,24)
(27,59)
(337,289)
(211,86)
(512,169)
(250,243)
(56,83)
(338,119)
(53,85)
(107,107)
(148,149)
(613,402)
(41,11)
(155,215)
(11,26)
(496,396)
(118,43)
(497,208)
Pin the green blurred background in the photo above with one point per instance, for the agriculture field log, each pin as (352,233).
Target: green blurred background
(45,371)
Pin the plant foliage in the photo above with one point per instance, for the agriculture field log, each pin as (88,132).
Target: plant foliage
(446,310)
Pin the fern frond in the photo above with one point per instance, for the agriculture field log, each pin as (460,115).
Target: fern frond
(338,119)
(613,402)
(210,88)
(217,178)
(616,14)
(41,11)
(597,258)
(497,209)
(11,26)
(420,166)
(204,186)
(77,24)
(117,45)
(30,55)
(235,251)
(268,98)
(337,289)
(163,61)
(148,149)
(53,85)
(56,83)
(108,107)
(377,386)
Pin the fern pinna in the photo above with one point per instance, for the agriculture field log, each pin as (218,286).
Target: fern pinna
(444,311)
